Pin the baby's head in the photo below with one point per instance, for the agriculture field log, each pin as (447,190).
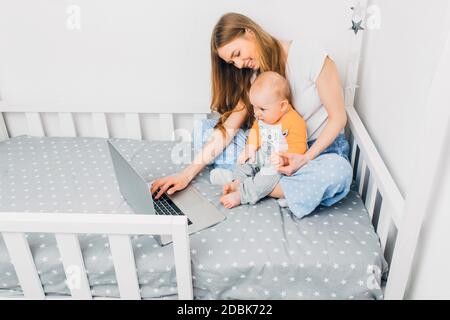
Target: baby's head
(270,96)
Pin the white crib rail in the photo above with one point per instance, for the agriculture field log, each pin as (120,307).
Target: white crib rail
(119,227)
(100,125)
(378,190)
(3,131)
(164,126)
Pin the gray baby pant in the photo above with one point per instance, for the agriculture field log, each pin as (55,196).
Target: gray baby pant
(255,184)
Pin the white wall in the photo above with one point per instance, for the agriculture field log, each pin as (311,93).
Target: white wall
(404,83)
(431,279)
(142,55)
(399,62)
(135,56)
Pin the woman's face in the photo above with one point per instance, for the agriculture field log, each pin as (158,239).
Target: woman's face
(241,52)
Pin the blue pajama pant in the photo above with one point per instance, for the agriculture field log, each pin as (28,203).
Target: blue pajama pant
(323,181)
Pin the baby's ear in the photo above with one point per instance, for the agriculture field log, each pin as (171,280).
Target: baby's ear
(284,105)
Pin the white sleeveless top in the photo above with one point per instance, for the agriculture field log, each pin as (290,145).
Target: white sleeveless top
(304,63)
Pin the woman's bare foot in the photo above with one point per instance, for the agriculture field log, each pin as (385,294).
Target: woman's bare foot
(231,200)
(230,187)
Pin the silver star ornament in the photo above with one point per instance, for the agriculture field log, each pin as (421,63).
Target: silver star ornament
(356,26)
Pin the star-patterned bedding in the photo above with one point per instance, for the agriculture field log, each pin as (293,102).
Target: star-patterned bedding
(259,252)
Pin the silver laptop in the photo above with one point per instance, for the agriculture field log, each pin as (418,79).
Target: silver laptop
(200,213)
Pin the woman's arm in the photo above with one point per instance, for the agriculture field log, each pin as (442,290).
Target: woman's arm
(330,92)
(217,142)
(215,145)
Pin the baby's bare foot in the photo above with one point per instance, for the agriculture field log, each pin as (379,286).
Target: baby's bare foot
(231,200)
(230,187)
(227,188)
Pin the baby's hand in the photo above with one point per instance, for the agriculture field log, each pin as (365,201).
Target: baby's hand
(277,160)
(249,152)
(243,156)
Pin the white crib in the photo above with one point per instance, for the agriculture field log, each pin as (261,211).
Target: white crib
(380,194)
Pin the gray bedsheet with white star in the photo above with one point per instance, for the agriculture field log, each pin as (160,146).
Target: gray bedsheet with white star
(259,252)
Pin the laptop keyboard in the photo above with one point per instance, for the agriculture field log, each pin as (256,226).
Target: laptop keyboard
(165,206)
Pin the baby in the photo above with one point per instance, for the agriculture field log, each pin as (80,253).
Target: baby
(277,128)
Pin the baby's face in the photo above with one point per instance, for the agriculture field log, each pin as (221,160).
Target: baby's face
(267,107)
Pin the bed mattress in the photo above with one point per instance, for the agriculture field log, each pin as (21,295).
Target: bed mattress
(260,251)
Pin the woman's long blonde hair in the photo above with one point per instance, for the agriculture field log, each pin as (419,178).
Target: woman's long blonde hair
(230,84)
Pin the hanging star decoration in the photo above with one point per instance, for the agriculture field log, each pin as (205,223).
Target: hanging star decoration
(356,26)
(357,18)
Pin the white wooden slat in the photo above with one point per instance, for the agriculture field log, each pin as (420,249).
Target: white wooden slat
(362,176)
(3,131)
(100,125)
(34,122)
(67,124)
(390,243)
(371,196)
(182,135)
(166,126)
(384,222)
(125,267)
(23,262)
(359,168)
(354,147)
(72,258)
(133,126)
(181,249)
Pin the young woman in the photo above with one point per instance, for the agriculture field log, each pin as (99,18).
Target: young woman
(241,49)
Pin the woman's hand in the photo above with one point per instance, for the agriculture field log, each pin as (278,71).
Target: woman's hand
(170,184)
(292,162)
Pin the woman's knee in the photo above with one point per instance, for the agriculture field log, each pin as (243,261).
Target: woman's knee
(338,180)
(326,164)
(343,165)
(333,166)
(325,173)
(323,180)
